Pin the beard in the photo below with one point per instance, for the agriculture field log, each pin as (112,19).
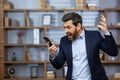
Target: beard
(72,36)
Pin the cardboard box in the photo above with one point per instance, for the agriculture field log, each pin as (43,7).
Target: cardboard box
(80,1)
(92,7)
(8,5)
(50,75)
(42,4)
(80,5)
(117,75)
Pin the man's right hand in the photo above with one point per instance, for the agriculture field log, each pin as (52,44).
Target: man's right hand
(52,49)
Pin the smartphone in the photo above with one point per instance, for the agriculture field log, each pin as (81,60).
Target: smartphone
(48,40)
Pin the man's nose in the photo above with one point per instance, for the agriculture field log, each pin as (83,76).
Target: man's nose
(66,30)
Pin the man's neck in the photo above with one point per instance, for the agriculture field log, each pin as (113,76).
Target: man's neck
(79,32)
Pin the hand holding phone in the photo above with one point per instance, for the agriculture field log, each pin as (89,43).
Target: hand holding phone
(48,40)
(52,49)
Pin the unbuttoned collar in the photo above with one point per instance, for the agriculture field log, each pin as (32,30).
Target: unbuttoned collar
(82,35)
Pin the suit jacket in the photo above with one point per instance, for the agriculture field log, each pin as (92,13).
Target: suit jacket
(94,42)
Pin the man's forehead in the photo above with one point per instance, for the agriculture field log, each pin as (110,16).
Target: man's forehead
(68,22)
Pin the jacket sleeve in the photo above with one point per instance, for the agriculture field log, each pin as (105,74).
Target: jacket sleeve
(59,59)
(109,46)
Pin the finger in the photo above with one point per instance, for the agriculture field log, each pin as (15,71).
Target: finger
(48,44)
(53,50)
(103,19)
(52,47)
(99,26)
(102,23)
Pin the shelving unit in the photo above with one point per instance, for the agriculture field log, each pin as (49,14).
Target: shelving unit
(9,38)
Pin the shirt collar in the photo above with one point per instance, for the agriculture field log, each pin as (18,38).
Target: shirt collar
(82,35)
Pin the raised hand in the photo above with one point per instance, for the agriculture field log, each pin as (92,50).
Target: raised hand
(103,25)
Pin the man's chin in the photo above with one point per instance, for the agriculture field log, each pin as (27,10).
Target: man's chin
(70,38)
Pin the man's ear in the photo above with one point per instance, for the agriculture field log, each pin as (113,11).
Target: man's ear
(79,26)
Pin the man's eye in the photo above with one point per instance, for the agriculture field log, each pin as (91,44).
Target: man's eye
(64,27)
(68,27)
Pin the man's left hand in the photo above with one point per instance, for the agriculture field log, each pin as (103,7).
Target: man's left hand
(103,25)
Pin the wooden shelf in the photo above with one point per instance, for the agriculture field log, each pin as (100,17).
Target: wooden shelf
(21,45)
(13,45)
(41,44)
(113,27)
(31,27)
(111,62)
(48,62)
(110,27)
(42,27)
(26,79)
(118,45)
(64,9)
(112,78)
(25,62)
(23,27)
(26,45)
(113,9)
(35,79)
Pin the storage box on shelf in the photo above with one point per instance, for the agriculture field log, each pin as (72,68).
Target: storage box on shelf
(8,5)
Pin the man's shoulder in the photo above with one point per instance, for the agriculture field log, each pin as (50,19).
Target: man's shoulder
(64,37)
(92,32)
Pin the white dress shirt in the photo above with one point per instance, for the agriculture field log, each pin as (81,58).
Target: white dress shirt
(81,70)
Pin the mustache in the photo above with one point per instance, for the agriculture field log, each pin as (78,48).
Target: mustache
(69,34)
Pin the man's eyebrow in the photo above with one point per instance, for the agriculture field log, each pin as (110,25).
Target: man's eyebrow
(66,26)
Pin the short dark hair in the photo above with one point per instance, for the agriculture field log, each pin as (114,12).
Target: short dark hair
(76,18)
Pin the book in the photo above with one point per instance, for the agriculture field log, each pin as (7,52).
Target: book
(28,58)
(28,21)
(6,21)
(16,23)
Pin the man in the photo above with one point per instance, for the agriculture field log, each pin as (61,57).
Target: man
(80,49)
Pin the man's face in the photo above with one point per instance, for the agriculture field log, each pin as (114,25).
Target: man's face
(71,30)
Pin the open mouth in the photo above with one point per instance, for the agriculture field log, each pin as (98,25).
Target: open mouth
(69,34)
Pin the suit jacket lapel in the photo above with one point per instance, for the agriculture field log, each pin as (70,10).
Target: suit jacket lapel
(70,62)
(70,50)
(88,42)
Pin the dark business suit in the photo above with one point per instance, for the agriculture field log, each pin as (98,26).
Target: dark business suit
(94,42)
